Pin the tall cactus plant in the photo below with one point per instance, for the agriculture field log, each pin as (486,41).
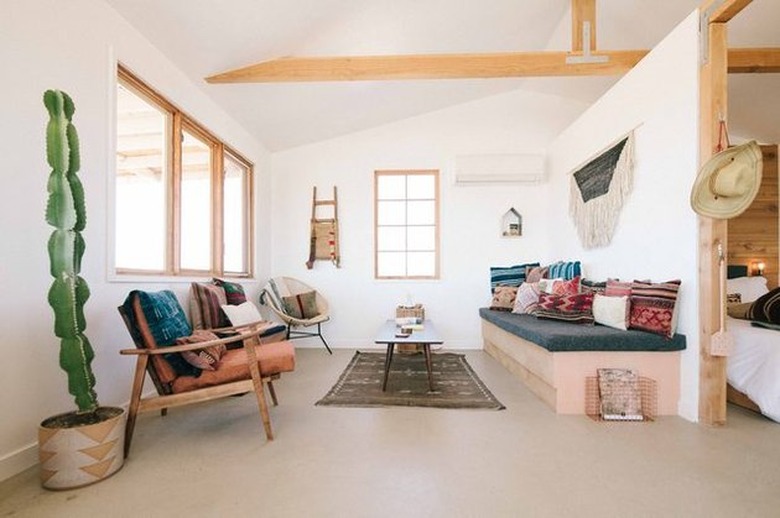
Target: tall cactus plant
(66,212)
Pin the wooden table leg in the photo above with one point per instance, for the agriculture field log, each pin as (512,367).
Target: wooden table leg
(428,364)
(388,360)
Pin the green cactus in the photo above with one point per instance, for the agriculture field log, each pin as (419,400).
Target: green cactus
(66,212)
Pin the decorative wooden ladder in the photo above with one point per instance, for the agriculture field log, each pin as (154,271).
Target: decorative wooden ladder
(324,243)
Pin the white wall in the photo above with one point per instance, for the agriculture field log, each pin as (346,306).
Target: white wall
(515,122)
(657,234)
(70,46)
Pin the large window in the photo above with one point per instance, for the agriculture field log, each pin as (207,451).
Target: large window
(406,214)
(183,200)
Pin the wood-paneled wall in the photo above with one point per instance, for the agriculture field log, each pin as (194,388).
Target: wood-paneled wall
(753,235)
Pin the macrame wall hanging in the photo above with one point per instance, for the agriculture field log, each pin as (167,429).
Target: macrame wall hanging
(598,190)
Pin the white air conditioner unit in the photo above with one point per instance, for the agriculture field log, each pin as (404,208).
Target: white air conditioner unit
(509,168)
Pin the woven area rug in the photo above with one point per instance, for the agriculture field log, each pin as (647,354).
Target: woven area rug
(455,384)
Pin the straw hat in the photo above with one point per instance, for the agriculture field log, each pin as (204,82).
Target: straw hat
(728,183)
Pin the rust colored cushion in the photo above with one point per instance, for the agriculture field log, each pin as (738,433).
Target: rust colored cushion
(273,358)
(206,359)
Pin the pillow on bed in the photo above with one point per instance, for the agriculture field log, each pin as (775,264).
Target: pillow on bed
(739,311)
(766,308)
(750,288)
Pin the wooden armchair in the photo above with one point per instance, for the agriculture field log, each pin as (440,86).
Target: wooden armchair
(156,322)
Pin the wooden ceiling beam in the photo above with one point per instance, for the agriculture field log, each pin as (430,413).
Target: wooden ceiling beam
(459,66)
(583,11)
(727,9)
(427,66)
(754,61)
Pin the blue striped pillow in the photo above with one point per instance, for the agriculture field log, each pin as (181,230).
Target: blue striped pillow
(565,270)
(508,275)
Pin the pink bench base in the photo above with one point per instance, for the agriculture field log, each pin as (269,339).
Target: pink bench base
(559,378)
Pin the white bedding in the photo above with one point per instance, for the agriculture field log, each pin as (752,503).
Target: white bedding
(754,365)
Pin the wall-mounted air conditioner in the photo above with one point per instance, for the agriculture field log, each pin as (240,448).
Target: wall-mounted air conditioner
(500,168)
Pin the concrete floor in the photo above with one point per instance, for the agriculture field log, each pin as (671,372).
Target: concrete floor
(213,460)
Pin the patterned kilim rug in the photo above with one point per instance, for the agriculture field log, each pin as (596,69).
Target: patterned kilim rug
(455,384)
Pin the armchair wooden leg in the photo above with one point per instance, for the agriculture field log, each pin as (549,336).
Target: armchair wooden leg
(272,392)
(135,400)
(257,383)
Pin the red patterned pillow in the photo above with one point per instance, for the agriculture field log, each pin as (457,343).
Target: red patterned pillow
(207,358)
(653,307)
(616,288)
(570,287)
(576,308)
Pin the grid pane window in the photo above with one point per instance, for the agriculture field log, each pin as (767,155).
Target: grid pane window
(406,219)
(183,199)
(236,224)
(142,176)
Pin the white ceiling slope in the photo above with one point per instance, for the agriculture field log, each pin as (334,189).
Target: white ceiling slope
(211,36)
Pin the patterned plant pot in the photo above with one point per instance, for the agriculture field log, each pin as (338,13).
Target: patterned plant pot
(75,454)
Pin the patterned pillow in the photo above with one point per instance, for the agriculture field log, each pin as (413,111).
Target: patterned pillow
(164,316)
(503,298)
(565,270)
(653,307)
(611,311)
(766,308)
(577,308)
(569,287)
(733,298)
(616,288)
(206,301)
(527,299)
(234,292)
(302,305)
(206,359)
(536,273)
(588,286)
(508,275)
(547,285)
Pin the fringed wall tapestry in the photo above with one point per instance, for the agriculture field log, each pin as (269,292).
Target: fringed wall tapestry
(598,190)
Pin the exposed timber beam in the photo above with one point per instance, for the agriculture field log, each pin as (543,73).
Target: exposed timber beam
(754,61)
(428,66)
(727,9)
(582,12)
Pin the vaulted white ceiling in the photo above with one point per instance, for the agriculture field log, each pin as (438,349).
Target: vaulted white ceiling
(211,36)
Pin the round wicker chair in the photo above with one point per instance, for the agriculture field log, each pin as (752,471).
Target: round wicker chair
(273,296)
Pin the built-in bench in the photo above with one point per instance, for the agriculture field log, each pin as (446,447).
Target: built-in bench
(554,358)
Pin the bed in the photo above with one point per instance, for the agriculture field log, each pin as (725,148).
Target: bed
(753,368)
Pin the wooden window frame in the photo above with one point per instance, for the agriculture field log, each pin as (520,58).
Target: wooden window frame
(180,122)
(437,224)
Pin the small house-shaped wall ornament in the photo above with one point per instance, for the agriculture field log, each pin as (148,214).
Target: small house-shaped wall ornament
(512,224)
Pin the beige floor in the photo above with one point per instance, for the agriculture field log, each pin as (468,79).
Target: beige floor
(212,460)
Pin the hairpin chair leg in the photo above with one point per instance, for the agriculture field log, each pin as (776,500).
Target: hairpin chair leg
(319,332)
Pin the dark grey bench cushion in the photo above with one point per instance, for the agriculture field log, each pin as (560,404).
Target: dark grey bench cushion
(563,336)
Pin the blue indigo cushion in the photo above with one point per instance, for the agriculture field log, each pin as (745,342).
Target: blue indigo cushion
(164,316)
